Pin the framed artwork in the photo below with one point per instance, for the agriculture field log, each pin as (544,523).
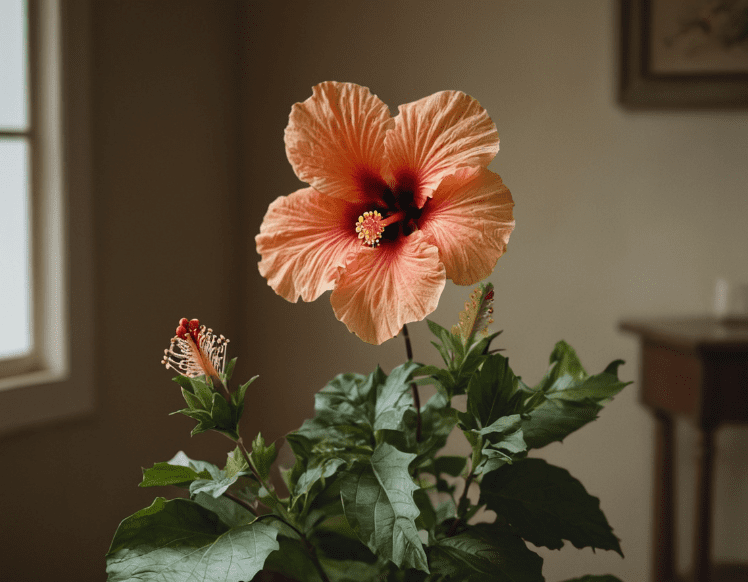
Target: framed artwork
(684,54)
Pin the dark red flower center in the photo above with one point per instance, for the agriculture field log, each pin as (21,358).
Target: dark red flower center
(394,214)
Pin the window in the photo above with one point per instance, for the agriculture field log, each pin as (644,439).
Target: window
(17,345)
(46,370)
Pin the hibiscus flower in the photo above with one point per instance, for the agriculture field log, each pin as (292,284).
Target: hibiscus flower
(394,207)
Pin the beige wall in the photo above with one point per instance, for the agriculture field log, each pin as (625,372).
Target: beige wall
(618,214)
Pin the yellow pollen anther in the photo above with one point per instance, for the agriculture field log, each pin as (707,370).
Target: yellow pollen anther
(370,227)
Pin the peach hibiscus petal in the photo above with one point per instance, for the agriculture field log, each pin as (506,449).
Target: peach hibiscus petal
(469,218)
(385,287)
(435,136)
(304,238)
(335,140)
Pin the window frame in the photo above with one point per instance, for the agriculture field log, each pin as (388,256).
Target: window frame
(57,381)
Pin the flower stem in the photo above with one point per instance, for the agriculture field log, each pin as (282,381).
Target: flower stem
(413,385)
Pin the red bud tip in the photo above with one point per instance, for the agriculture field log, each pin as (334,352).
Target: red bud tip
(194,324)
(181,331)
(184,322)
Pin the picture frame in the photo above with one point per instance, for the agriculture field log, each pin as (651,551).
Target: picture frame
(683,54)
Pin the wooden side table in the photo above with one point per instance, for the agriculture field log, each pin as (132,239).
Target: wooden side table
(696,368)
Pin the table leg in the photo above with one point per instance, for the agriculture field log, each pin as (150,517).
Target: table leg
(664,510)
(702,534)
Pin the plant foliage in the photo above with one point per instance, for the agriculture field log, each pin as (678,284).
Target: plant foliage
(371,496)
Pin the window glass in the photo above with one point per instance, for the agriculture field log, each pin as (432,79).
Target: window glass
(13,86)
(15,280)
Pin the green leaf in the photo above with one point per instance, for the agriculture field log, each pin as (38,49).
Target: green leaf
(601,578)
(427,519)
(566,362)
(165,474)
(599,388)
(223,417)
(350,570)
(192,401)
(203,392)
(341,542)
(226,376)
(314,475)
(237,399)
(180,540)
(485,554)
(292,561)
(394,398)
(546,505)
(214,487)
(438,419)
(263,456)
(235,463)
(183,460)
(451,465)
(228,511)
(554,419)
(493,393)
(379,506)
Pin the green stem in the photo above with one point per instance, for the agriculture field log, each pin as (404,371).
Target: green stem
(279,518)
(245,452)
(413,385)
(462,500)
(241,502)
(311,550)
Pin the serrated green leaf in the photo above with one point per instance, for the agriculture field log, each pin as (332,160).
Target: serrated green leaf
(235,463)
(601,578)
(178,540)
(598,388)
(210,487)
(309,478)
(192,401)
(378,504)
(202,391)
(566,361)
(394,398)
(198,415)
(499,443)
(555,419)
(263,456)
(485,554)
(237,399)
(436,329)
(182,460)
(546,505)
(229,512)
(509,449)
(493,392)
(184,382)
(162,474)
(203,426)
(221,413)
